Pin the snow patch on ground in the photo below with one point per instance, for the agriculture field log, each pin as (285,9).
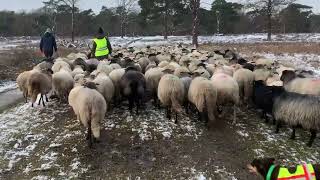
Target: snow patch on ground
(7,86)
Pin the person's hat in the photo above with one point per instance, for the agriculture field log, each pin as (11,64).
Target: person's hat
(100,31)
(48,30)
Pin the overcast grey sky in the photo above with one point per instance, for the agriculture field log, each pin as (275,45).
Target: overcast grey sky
(17,5)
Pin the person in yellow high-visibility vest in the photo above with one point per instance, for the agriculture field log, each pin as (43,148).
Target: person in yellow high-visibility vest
(101,46)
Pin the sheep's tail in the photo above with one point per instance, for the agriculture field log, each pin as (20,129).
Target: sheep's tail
(176,104)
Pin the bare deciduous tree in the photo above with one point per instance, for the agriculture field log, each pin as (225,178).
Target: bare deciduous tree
(124,8)
(69,3)
(269,8)
(195,6)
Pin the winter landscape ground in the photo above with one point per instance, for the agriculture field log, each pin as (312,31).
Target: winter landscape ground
(48,142)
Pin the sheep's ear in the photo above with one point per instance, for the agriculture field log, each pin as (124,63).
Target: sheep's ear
(202,73)
(190,73)
(97,84)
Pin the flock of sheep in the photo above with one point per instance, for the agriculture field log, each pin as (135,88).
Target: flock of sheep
(178,78)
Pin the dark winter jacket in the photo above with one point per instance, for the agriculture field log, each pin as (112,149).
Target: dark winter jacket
(48,43)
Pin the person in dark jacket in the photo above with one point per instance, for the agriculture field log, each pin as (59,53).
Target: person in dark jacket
(101,46)
(48,44)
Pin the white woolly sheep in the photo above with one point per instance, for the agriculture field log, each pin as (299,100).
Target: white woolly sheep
(77,70)
(143,62)
(153,77)
(39,83)
(62,82)
(261,74)
(60,65)
(244,78)
(163,64)
(104,67)
(22,81)
(180,70)
(116,76)
(227,91)
(105,86)
(171,94)
(90,108)
(204,96)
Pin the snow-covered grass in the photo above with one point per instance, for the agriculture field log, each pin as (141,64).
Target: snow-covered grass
(142,41)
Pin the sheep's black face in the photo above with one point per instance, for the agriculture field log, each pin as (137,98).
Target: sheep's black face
(287,76)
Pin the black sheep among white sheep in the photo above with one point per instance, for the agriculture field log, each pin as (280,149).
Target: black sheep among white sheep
(133,86)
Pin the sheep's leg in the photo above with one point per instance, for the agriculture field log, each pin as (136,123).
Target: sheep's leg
(25,95)
(199,116)
(274,121)
(293,134)
(278,127)
(138,106)
(32,105)
(176,121)
(265,117)
(168,112)
(130,105)
(187,107)
(312,137)
(234,114)
(43,101)
(46,98)
(40,100)
(89,134)
(219,109)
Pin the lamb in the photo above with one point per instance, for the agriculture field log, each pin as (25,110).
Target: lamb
(133,86)
(227,91)
(153,77)
(297,110)
(62,83)
(171,94)
(90,108)
(244,78)
(292,83)
(105,86)
(203,95)
(39,83)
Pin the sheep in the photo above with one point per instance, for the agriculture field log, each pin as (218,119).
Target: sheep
(297,110)
(171,93)
(43,65)
(163,64)
(204,73)
(244,78)
(104,67)
(90,108)
(80,62)
(150,66)
(292,83)
(143,62)
(265,62)
(116,76)
(92,64)
(261,74)
(115,66)
(203,95)
(77,70)
(153,77)
(194,65)
(62,82)
(105,86)
(22,81)
(225,70)
(263,97)
(178,71)
(133,86)
(248,66)
(227,91)
(39,83)
(274,81)
(60,65)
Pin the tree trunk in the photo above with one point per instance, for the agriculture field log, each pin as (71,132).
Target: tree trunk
(122,29)
(195,22)
(166,20)
(72,23)
(269,11)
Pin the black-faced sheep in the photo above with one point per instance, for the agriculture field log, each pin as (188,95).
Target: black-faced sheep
(133,86)
(297,110)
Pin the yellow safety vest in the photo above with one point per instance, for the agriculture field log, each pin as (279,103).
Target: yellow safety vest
(303,172)
(101,49)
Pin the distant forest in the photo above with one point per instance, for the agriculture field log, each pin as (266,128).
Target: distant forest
(159,17)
